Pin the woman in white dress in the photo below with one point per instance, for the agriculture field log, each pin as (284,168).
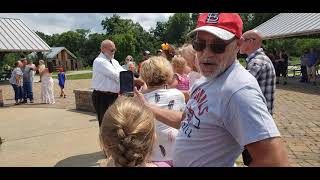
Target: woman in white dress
(47,95)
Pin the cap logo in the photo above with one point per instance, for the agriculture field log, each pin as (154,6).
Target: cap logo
(213,18)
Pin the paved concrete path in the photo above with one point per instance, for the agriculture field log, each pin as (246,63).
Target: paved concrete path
(48,137)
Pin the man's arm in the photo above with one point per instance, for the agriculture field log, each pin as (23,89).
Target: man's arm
(168,117)
(252,126)
(268,152)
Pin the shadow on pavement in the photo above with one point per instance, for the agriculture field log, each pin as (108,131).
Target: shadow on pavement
(82,112)
(83,160)
(92,120)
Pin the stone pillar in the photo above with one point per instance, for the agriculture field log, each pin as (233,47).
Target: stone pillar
(83,98)
(1,98)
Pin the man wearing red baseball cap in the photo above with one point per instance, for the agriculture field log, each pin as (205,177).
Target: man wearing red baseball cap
(227,110)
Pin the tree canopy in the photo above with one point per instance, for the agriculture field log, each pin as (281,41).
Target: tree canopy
(132,39)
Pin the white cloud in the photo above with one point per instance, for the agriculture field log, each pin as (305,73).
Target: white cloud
(50,23)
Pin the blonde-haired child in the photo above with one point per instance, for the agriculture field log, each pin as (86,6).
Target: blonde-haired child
(181,80)
(128,133)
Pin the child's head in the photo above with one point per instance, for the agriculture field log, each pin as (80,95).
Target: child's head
(60,69)
(128,132)
(178,63)
(189,55)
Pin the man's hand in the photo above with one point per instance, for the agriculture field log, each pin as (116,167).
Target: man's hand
(138,82)
(140,96)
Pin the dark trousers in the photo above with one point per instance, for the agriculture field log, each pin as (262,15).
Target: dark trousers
(27,91)
(18,92)
(304,77)
(101,102)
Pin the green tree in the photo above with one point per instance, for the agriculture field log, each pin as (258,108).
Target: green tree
(129,37)
(252,20)
(178,26)
(46,38)
(91,48)
(159,32)
(72,40)
(125,45)
(194,20)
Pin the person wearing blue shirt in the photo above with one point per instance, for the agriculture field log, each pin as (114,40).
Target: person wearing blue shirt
(311,65)
(62,79)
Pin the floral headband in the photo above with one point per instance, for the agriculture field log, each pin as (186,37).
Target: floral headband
(165,46)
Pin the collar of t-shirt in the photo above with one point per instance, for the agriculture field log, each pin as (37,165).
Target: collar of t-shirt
(252,55)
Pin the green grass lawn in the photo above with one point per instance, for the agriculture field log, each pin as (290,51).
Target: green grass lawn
(76,76)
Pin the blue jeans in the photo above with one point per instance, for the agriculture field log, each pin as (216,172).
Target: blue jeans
(27,91)
(18,92)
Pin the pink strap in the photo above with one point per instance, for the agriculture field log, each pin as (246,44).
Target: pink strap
(163,163)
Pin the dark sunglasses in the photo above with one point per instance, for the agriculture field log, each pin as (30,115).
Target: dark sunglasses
(218,47)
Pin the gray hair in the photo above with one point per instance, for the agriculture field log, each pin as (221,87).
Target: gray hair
(130,62)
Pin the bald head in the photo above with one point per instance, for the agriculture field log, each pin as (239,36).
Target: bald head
(106,42)
(108,48)
(250,41)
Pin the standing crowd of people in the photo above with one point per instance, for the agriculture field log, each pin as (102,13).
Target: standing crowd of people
(22,80)
(195,106)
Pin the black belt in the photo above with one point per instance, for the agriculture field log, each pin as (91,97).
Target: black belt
(105,92)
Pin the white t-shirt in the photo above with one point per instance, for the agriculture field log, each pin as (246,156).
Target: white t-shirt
(167,99)
(222,116)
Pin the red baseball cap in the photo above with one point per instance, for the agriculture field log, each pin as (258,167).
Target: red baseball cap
(223,25)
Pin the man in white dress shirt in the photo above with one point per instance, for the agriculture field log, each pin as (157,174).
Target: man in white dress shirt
(105,79)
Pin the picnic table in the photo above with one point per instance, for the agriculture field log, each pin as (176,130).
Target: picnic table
(295,69)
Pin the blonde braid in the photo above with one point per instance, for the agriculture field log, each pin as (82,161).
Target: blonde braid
(127,132)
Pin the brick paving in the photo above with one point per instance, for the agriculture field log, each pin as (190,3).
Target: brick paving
(297,114)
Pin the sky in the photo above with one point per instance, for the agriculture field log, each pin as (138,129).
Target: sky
(50,23)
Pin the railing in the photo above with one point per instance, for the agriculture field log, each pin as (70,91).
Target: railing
(5,75)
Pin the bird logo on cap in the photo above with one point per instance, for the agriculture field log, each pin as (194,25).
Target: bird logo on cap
(213,18)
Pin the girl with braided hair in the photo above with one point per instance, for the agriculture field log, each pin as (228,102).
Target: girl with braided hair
(128,133)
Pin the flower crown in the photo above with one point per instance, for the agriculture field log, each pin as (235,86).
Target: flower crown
(165,46)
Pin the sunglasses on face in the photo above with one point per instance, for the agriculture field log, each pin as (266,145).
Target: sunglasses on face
(218,47)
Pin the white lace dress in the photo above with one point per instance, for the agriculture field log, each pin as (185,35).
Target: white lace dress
(47,95)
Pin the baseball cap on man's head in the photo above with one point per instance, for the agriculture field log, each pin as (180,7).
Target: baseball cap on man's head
(223,25)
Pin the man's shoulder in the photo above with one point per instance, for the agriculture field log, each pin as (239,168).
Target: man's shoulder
(237,79)
(98,60)
(261,58)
